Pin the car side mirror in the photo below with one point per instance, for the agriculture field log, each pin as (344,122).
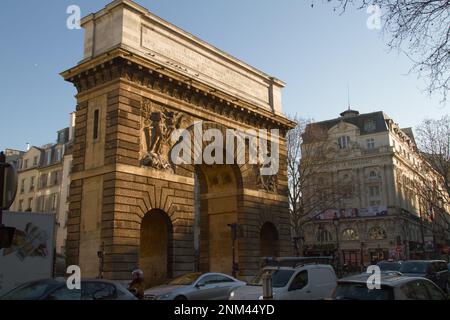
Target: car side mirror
(199,285)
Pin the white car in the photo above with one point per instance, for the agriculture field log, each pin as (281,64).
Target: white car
(306,282)
(195,286)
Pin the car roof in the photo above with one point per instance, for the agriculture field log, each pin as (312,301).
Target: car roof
(391,279)
(303,266)
(425,261)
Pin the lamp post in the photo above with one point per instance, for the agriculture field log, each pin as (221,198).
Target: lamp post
(362,256)
(338,254)
(234,235)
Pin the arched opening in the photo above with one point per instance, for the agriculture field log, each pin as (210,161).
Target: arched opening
(155,255)
(217,209)
(268,245)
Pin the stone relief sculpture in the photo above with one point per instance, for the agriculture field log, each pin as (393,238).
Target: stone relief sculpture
(267,183)
(158,125)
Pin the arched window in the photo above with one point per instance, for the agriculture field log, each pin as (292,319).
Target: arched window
(324,236)
(350,234)
(377,233)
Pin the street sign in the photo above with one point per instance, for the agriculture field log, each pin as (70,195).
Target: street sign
(9,185)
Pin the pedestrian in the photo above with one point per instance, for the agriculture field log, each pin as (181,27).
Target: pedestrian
(136,285)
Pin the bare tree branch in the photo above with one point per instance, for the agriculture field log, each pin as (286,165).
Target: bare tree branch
(420,29)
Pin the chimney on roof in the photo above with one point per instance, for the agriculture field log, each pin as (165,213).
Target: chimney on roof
(28,146)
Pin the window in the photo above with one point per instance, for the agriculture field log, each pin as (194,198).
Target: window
(65,294)
(25,164)
(372,174)
(48,156)
(434,293)
(54,201)
(40,204)
(35,161)
(30,204)
(32,184)
(371,143)
(369,125)
(207,280)
(350,235)
(344,142)
(300,281)
(55,178)
(374,191)
(43,181)
(22,187)
(377,233)
(324,236)
(58,155)
(97,291)
(20,209)
(95,133)
(221,279)
(415,290)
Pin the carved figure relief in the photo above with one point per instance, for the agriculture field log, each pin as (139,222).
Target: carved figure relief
(267,183)
(158,125)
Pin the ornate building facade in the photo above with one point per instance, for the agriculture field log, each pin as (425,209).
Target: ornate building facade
(141,79)
(383,216)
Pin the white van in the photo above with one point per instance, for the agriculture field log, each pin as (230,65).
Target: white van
(305,282)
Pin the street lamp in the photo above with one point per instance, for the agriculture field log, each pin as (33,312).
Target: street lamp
(234,236)
(338,262)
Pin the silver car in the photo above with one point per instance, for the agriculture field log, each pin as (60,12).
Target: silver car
(195,286)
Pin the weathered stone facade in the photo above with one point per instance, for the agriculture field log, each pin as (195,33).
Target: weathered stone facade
(124,189)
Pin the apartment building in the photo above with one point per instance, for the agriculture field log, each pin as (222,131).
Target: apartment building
(382,216)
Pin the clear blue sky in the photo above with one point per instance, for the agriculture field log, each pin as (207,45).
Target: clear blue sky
(314,50)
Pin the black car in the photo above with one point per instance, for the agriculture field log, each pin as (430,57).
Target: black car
(389,265)
(434,270)
(53,289)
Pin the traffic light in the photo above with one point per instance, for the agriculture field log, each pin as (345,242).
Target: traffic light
(6,236)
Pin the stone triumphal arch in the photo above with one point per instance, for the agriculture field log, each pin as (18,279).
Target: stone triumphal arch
(140,79)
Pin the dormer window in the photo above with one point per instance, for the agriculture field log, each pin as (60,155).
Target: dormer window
(344,142)
(369,125)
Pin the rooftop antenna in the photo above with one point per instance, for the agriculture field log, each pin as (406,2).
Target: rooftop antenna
(348,96)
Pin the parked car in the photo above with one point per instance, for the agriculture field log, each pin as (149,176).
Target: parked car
(393,287)
(195,286)
(389,265)
(56,289)
(435,270)
(305,282)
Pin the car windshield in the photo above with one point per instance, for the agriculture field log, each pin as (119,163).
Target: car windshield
(279,278)
(414,267)
(30,291)
(389,266)
(359,291)
(185,280)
